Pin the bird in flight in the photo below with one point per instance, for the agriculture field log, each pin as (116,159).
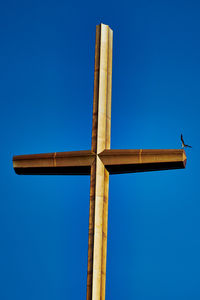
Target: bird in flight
(183,144)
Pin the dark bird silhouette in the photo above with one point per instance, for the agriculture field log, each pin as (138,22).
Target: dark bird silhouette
(183,143)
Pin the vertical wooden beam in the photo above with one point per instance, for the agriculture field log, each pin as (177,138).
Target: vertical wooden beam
(97,245)
(106,173)
(100,169)
(93,168)
(96,89)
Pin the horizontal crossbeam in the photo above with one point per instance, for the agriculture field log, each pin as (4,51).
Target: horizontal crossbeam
(115,161)
(57,163)
(132,161)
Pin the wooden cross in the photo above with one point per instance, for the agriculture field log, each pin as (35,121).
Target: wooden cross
(99,162)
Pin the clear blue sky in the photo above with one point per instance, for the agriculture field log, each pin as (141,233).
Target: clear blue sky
(46,93)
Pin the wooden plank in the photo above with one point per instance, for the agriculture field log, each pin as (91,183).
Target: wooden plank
(131,161)
(57,163)
(97,246)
